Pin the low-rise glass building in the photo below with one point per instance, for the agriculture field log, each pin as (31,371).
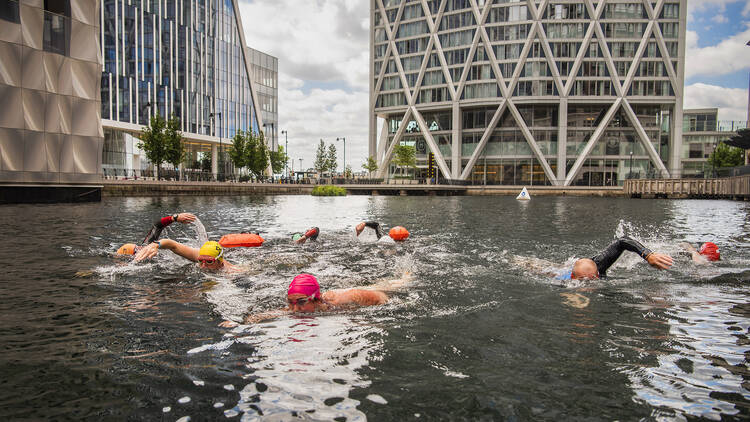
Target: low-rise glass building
(701,133)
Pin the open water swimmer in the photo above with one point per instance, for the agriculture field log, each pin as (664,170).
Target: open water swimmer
(597,266)
(311,234)
(209,256)
(155,232)
(706,253)
(398,233)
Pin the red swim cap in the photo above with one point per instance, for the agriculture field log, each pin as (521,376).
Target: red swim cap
(305,284)
(710,251)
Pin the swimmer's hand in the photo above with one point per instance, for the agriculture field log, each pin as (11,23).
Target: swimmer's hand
(358,229)
(228,324)
(660,261)
(186,217)
(147,252)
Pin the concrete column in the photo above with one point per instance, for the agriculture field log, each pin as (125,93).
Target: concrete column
(456,143)
(214,160)
(562,140)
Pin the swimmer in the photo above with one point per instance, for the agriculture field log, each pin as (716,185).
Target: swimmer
(311,234)
(210,256)
(304,296)
(155,232)
(371,224)
(706,253)
(597,266)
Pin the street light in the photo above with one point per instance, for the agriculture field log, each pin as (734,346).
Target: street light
(343,139)
(221,159)
(630,176)
(286,152)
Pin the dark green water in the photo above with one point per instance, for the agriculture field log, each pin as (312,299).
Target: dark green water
(476,335)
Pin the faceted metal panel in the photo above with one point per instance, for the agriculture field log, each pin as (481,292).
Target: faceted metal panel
(52,114)
(65,105)
(10,63)
(11,176)
(33,109)
(53,143)
(34,152)
(87,150)
(11,32)
(32,69)
(11,111)
(84,113)
(84,42)
(32,26)
(36,3)
(86,79)
(52,65)
(65,78)
(67,155)
(85,11)
(40,177)
(11,149)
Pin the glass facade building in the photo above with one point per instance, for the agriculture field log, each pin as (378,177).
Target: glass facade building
(570,92)
(181,58)
(266,81)
(701,133)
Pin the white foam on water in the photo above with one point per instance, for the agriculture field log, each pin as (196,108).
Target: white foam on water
(218,405)
(229,387)
(200,231)
(166,409)
(375,398)
(222,345)
(184,400)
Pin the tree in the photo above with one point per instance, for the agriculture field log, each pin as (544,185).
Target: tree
(331,159)
(321,162)
(153,142)
(348,172)
(726,156)
(256,153)
(237,151)
(278,159)
(174,142)
(370,165)
(405,156)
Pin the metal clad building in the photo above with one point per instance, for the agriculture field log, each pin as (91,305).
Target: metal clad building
(568,92)
(266,81)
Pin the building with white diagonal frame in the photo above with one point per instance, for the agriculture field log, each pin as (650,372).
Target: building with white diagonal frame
(565,92)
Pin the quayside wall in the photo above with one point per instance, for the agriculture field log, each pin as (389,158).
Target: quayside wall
(737,188)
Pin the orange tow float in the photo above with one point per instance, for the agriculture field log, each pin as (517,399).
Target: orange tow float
(236,240)
(399,234)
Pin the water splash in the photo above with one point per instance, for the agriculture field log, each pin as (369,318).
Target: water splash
(200,231)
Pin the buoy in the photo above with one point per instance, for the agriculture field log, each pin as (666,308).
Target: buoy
(236,240)
(399,233)
(524,195)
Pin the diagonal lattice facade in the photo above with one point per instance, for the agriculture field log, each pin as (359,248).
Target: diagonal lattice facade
(567,92)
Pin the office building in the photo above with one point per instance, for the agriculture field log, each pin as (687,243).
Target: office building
(529,93)
(265,69)
(701,133)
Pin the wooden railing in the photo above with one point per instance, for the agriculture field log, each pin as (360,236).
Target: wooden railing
(731,187)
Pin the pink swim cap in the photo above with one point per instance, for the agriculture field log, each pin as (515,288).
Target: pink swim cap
(305,284)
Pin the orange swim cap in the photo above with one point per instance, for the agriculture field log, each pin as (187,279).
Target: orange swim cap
(710,251)
(126,249)
(399,233)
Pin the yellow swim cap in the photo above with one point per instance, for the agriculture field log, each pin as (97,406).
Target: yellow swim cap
(213,249)
(126,249)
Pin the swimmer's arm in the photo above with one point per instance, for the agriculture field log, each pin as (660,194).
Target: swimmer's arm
(612,253)
(178,248)
(697,258)
(256,318)
(161,223)
(360,297)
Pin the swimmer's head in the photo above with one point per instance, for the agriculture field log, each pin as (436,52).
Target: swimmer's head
(296,236)
(211,254)
(304,284)
(710,251)
(584,269)
(127,249)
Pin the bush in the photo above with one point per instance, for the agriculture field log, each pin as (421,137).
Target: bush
(328,190)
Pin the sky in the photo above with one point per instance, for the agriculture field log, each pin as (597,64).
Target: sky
(323,51)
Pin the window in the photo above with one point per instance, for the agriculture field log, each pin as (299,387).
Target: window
(57,26)
(9,11)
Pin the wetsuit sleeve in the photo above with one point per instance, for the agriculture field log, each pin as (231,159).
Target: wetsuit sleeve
(608,256)
(156,228)
(375,226)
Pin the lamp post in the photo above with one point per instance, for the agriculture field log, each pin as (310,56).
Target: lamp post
(630,175)
(343,139)
(221,159)
(286,153)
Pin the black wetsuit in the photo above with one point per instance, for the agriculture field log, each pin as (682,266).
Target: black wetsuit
(157,227)
(608,256)
(375,226)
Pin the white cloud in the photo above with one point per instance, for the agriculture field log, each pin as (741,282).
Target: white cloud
(318,43)
(720,19)
(728,56)
(732,102)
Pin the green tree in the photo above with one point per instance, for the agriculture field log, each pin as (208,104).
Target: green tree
(726,156)
(331,159)
(321,162)
(370,165)
(153,142)
(348,172)
(175,143)
(256,153)
(404,157)
(278,159)
(237,151)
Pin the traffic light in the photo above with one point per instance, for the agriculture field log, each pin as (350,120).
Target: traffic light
(431,165)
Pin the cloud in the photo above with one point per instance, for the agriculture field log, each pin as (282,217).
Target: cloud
(732,102)
(720,19)
(728,56)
